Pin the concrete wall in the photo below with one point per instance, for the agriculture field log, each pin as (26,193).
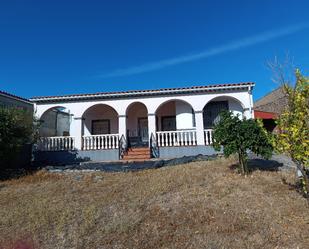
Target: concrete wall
(184,116)
(177,152)
(46,158)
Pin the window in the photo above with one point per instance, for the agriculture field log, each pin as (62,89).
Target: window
(168,123)
(100,127)
(211,112)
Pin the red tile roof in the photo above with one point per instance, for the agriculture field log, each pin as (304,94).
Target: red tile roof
(144,92)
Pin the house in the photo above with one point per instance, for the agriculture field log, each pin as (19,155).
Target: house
(269,107)
(136,125)
(8,100)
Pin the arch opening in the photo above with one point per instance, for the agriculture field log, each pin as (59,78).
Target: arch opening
(212,110)
(100,119)
(137,124)
(175,115)
(55,122)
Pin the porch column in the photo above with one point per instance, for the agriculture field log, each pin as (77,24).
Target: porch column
(76,131)
(151,125)
(199,128)
(122,119)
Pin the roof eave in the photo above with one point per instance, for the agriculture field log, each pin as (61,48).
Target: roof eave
(142,93)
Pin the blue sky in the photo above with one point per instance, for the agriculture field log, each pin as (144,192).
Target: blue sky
(62,47)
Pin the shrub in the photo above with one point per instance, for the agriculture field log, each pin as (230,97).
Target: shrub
(240,135)
(16,129)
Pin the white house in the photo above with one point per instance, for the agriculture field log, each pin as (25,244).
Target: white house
(163,123)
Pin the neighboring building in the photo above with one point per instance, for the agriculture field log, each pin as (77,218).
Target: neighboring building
(270,106)
(133,125)
(23,159)
(10,100)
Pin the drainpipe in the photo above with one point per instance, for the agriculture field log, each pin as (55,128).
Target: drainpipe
(250,101)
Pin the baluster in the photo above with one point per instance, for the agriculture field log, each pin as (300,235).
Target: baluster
(174,138)
(90,142)
(169,134)
(110,141)
(64,143)
(163,140)
(158,139)
(190,138)
(194,137)
(43,144)
(117,141)
(210,137)
(184,139)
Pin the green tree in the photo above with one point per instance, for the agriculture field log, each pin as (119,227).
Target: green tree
(293,125)
(240,135)
(16,129)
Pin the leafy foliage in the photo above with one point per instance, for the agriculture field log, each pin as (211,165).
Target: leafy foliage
(239,136)
(293,124)
(16,129)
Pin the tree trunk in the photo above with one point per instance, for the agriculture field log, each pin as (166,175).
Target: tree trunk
(305,175)
(242,162)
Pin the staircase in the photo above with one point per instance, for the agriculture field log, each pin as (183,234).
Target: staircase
(137,154)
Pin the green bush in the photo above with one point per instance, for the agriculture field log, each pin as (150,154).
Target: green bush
(240,135)
(16,129)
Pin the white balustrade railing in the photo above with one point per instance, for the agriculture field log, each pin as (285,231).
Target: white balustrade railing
(100,142)
(176,138)
(208,136)
(56,143)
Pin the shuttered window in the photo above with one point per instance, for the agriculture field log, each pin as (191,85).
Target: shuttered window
(211,112)
(100,127)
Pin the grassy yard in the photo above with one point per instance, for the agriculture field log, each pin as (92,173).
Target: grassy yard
(198,205)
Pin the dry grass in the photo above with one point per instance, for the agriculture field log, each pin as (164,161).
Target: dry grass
(198,205)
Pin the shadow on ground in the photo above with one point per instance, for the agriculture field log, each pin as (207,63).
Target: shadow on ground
(264,165)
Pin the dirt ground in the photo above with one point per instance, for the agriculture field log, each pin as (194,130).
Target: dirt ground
(197,205)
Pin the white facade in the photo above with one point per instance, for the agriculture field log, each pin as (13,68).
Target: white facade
(126,110)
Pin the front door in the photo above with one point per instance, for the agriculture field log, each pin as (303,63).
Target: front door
(143,129)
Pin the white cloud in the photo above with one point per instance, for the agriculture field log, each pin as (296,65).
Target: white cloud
(232,46)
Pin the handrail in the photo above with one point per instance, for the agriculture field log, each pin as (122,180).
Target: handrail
(56,143)
(176,138)
(123,146)
(100,142)
(154,149)
(208,137)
